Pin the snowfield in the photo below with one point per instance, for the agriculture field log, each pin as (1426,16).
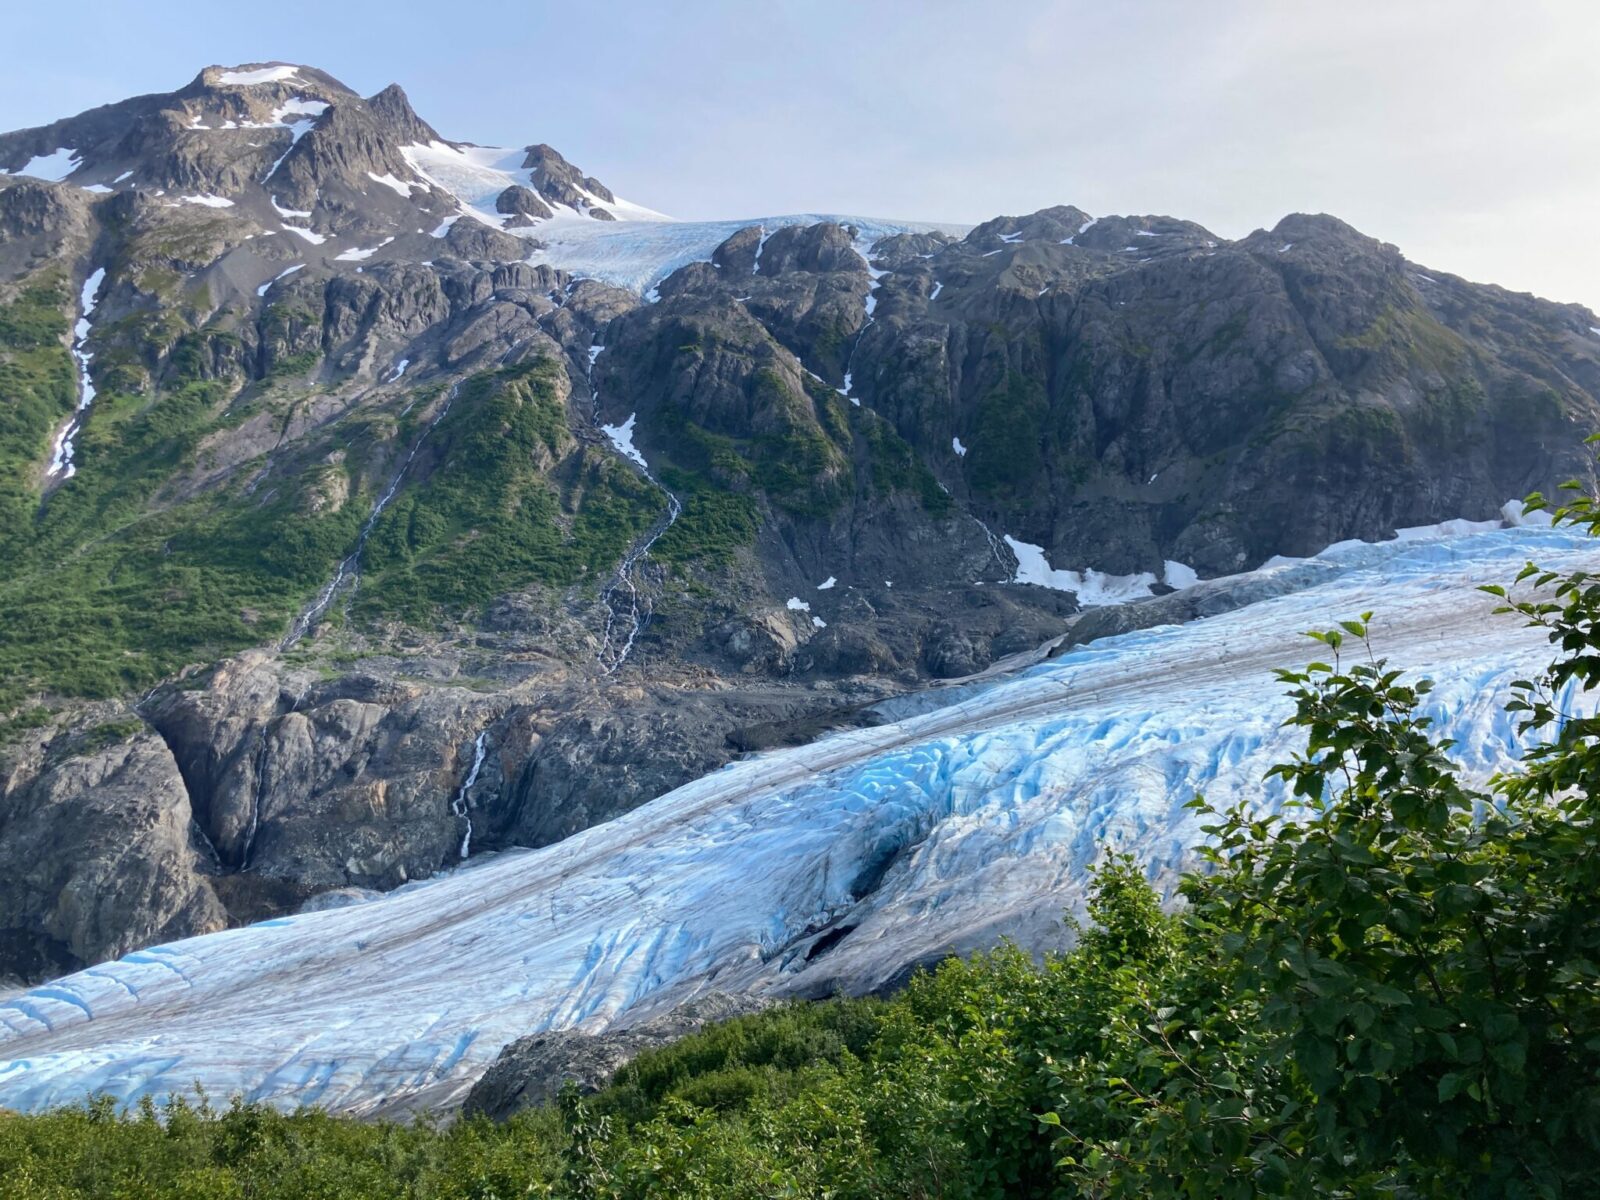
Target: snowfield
(973,812)
(53,167)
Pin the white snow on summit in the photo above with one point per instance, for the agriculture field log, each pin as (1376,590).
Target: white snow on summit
(238,78)
(991,800)
(475,175)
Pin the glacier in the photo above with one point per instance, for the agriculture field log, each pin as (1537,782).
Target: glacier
(637,254)
(638,249)
(971,813)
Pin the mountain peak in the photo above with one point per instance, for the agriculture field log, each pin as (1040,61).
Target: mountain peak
(393,107)
(254,75)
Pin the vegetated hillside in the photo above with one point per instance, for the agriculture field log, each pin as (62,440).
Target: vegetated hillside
(323,469)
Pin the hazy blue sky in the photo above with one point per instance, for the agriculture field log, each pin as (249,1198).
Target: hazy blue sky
(1466,132)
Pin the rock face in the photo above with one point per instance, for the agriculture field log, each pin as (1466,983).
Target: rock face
(98,855)
(533,1070)
(392,538)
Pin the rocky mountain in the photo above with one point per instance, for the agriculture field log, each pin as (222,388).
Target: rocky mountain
(370,501)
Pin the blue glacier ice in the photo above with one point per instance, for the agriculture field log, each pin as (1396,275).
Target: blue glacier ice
(973,816)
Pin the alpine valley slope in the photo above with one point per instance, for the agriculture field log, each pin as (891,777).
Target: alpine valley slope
(370,501)
(807,870)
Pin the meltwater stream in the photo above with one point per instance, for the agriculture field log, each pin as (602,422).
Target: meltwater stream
(628,608)
(350,568)
(975,812)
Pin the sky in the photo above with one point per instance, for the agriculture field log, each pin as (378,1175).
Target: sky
(1465,132)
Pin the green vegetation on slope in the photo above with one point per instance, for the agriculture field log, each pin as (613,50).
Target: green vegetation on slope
(493,512)
(106,589)
(1007,454)
(37,390)
(713,525)
(116,578)
(1392,992)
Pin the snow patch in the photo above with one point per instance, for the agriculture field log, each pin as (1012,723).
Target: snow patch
(1093,588)
(301,111)
(395,185)
(622,438)
(208,201)
(938,287)
(955,444)
(316,239)
(61,453)
(826,584)
(795,604)
(1082,229)
(399,370)
(267,286)
(298,106)
(52,168)
(360,255)
(1177,575)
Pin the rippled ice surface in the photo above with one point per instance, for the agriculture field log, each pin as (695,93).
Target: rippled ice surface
(960,822)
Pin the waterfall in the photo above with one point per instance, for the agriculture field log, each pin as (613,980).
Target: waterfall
(459,804)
